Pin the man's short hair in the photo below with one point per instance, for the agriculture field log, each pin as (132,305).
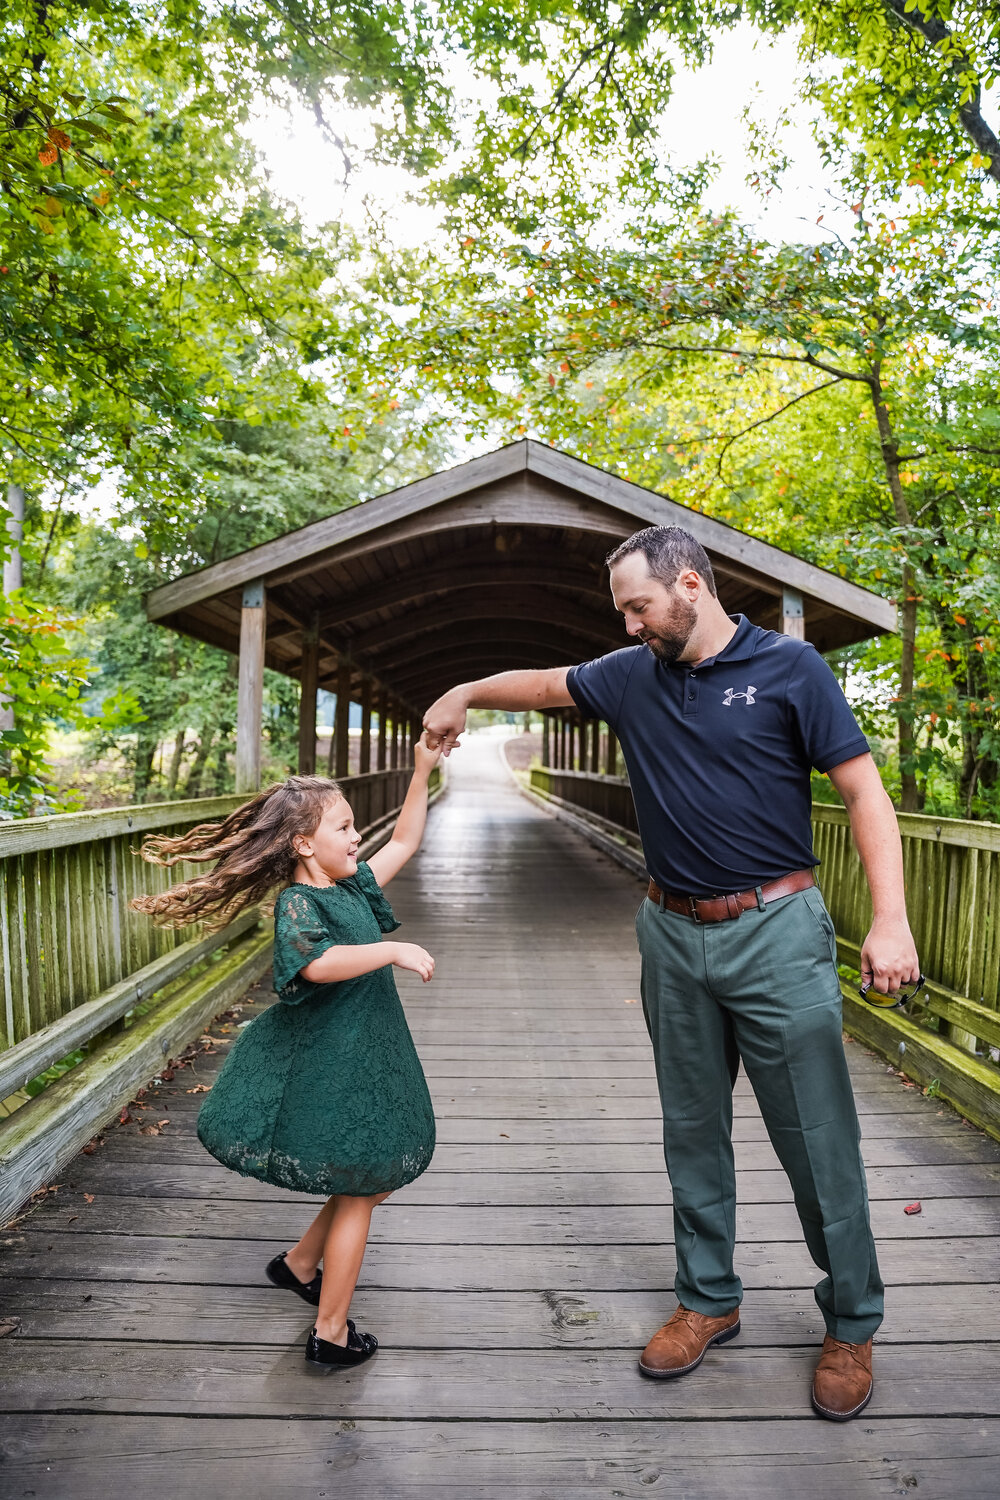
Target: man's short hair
(668,550)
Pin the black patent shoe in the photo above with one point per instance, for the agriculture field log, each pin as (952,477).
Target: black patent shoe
(281,1275)
(322,1356)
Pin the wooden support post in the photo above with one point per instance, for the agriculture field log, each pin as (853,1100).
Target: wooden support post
(546,748)
(793,615)
(250,699)
(365,764)
(611,753)
(309,682)
(564,744)
(383,715)
(595,747)
(342,720)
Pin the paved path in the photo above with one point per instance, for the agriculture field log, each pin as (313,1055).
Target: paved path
(513,1284)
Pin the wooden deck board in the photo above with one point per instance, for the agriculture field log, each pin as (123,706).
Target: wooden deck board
(511,1285)
(188,1459)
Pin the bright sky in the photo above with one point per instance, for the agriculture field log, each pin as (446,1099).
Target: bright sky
(704,118)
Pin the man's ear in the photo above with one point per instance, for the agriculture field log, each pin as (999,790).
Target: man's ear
(690,582)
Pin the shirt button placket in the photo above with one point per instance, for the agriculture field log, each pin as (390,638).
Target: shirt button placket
(691,695)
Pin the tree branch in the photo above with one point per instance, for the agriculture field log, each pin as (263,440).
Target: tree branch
(970,113)
(763,421)
(752,354)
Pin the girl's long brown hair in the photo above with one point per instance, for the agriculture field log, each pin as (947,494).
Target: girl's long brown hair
(253,847)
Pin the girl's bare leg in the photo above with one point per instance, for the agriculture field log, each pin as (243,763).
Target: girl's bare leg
(304,1258)
(343,1252)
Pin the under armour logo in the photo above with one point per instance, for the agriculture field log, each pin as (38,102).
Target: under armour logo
(731,693)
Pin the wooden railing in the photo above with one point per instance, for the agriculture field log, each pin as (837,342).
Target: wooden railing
(80,971)
(949,1041)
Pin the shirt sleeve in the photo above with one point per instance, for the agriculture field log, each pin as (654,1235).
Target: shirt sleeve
(822,716)
(373,893)
(598,687)
(300,935)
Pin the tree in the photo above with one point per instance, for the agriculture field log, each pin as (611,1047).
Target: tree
(892,319)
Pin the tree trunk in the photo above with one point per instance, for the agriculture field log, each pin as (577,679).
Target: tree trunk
(908,796)
(12,577)
(192,787)
(175,763)
(145,753)
(222,759)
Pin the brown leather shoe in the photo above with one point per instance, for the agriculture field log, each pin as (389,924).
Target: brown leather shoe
(680,1345)
(842,1385)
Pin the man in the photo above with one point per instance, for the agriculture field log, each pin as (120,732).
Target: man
(720,723)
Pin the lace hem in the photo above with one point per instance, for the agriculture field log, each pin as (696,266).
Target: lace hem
(281,1170)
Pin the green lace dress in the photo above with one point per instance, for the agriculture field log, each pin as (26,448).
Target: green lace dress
(324,1092)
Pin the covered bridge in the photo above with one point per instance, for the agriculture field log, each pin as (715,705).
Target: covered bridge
(495,564)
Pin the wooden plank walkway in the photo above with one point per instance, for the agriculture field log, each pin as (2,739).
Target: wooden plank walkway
(513,1284)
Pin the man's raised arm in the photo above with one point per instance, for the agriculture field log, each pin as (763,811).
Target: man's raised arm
(445,719)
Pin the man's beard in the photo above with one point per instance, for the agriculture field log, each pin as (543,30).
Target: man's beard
(667,642)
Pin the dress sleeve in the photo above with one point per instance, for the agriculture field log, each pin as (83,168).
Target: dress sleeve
(300,935)
(373,893)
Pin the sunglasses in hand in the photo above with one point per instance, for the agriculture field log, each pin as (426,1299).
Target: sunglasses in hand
(889,1002)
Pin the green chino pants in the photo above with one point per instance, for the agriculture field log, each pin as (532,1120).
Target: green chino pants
(762,988)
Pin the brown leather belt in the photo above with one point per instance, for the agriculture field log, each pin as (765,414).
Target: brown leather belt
(725,908)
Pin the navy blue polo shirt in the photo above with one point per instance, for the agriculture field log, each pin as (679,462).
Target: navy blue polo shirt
(719,754)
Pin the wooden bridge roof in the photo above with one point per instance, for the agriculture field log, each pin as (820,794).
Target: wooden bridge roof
(494,564)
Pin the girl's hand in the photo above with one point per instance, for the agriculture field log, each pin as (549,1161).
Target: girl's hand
(424,758)
(410,956)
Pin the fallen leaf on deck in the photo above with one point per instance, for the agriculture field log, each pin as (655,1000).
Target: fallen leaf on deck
(8,1327)
(504,1136)
(200,1088)
(148,1130)
(73,1219)
(912,1208)
(631,1000)
(89,1197)
(161,1123)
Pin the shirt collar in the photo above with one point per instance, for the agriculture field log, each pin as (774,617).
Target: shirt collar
(739,648)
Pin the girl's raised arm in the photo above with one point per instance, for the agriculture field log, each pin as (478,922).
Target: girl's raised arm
(409,829)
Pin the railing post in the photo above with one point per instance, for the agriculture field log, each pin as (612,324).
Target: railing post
(546,747)
(394,738)
(250,700)
(595,746)
(309,680)
(365,763)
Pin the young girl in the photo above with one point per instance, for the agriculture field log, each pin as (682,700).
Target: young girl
(324,1092)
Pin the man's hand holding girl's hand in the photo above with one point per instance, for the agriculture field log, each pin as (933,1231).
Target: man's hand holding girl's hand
(445,720)
(411,956)
(424,758)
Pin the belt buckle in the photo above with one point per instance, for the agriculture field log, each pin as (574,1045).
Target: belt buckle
(693,908)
